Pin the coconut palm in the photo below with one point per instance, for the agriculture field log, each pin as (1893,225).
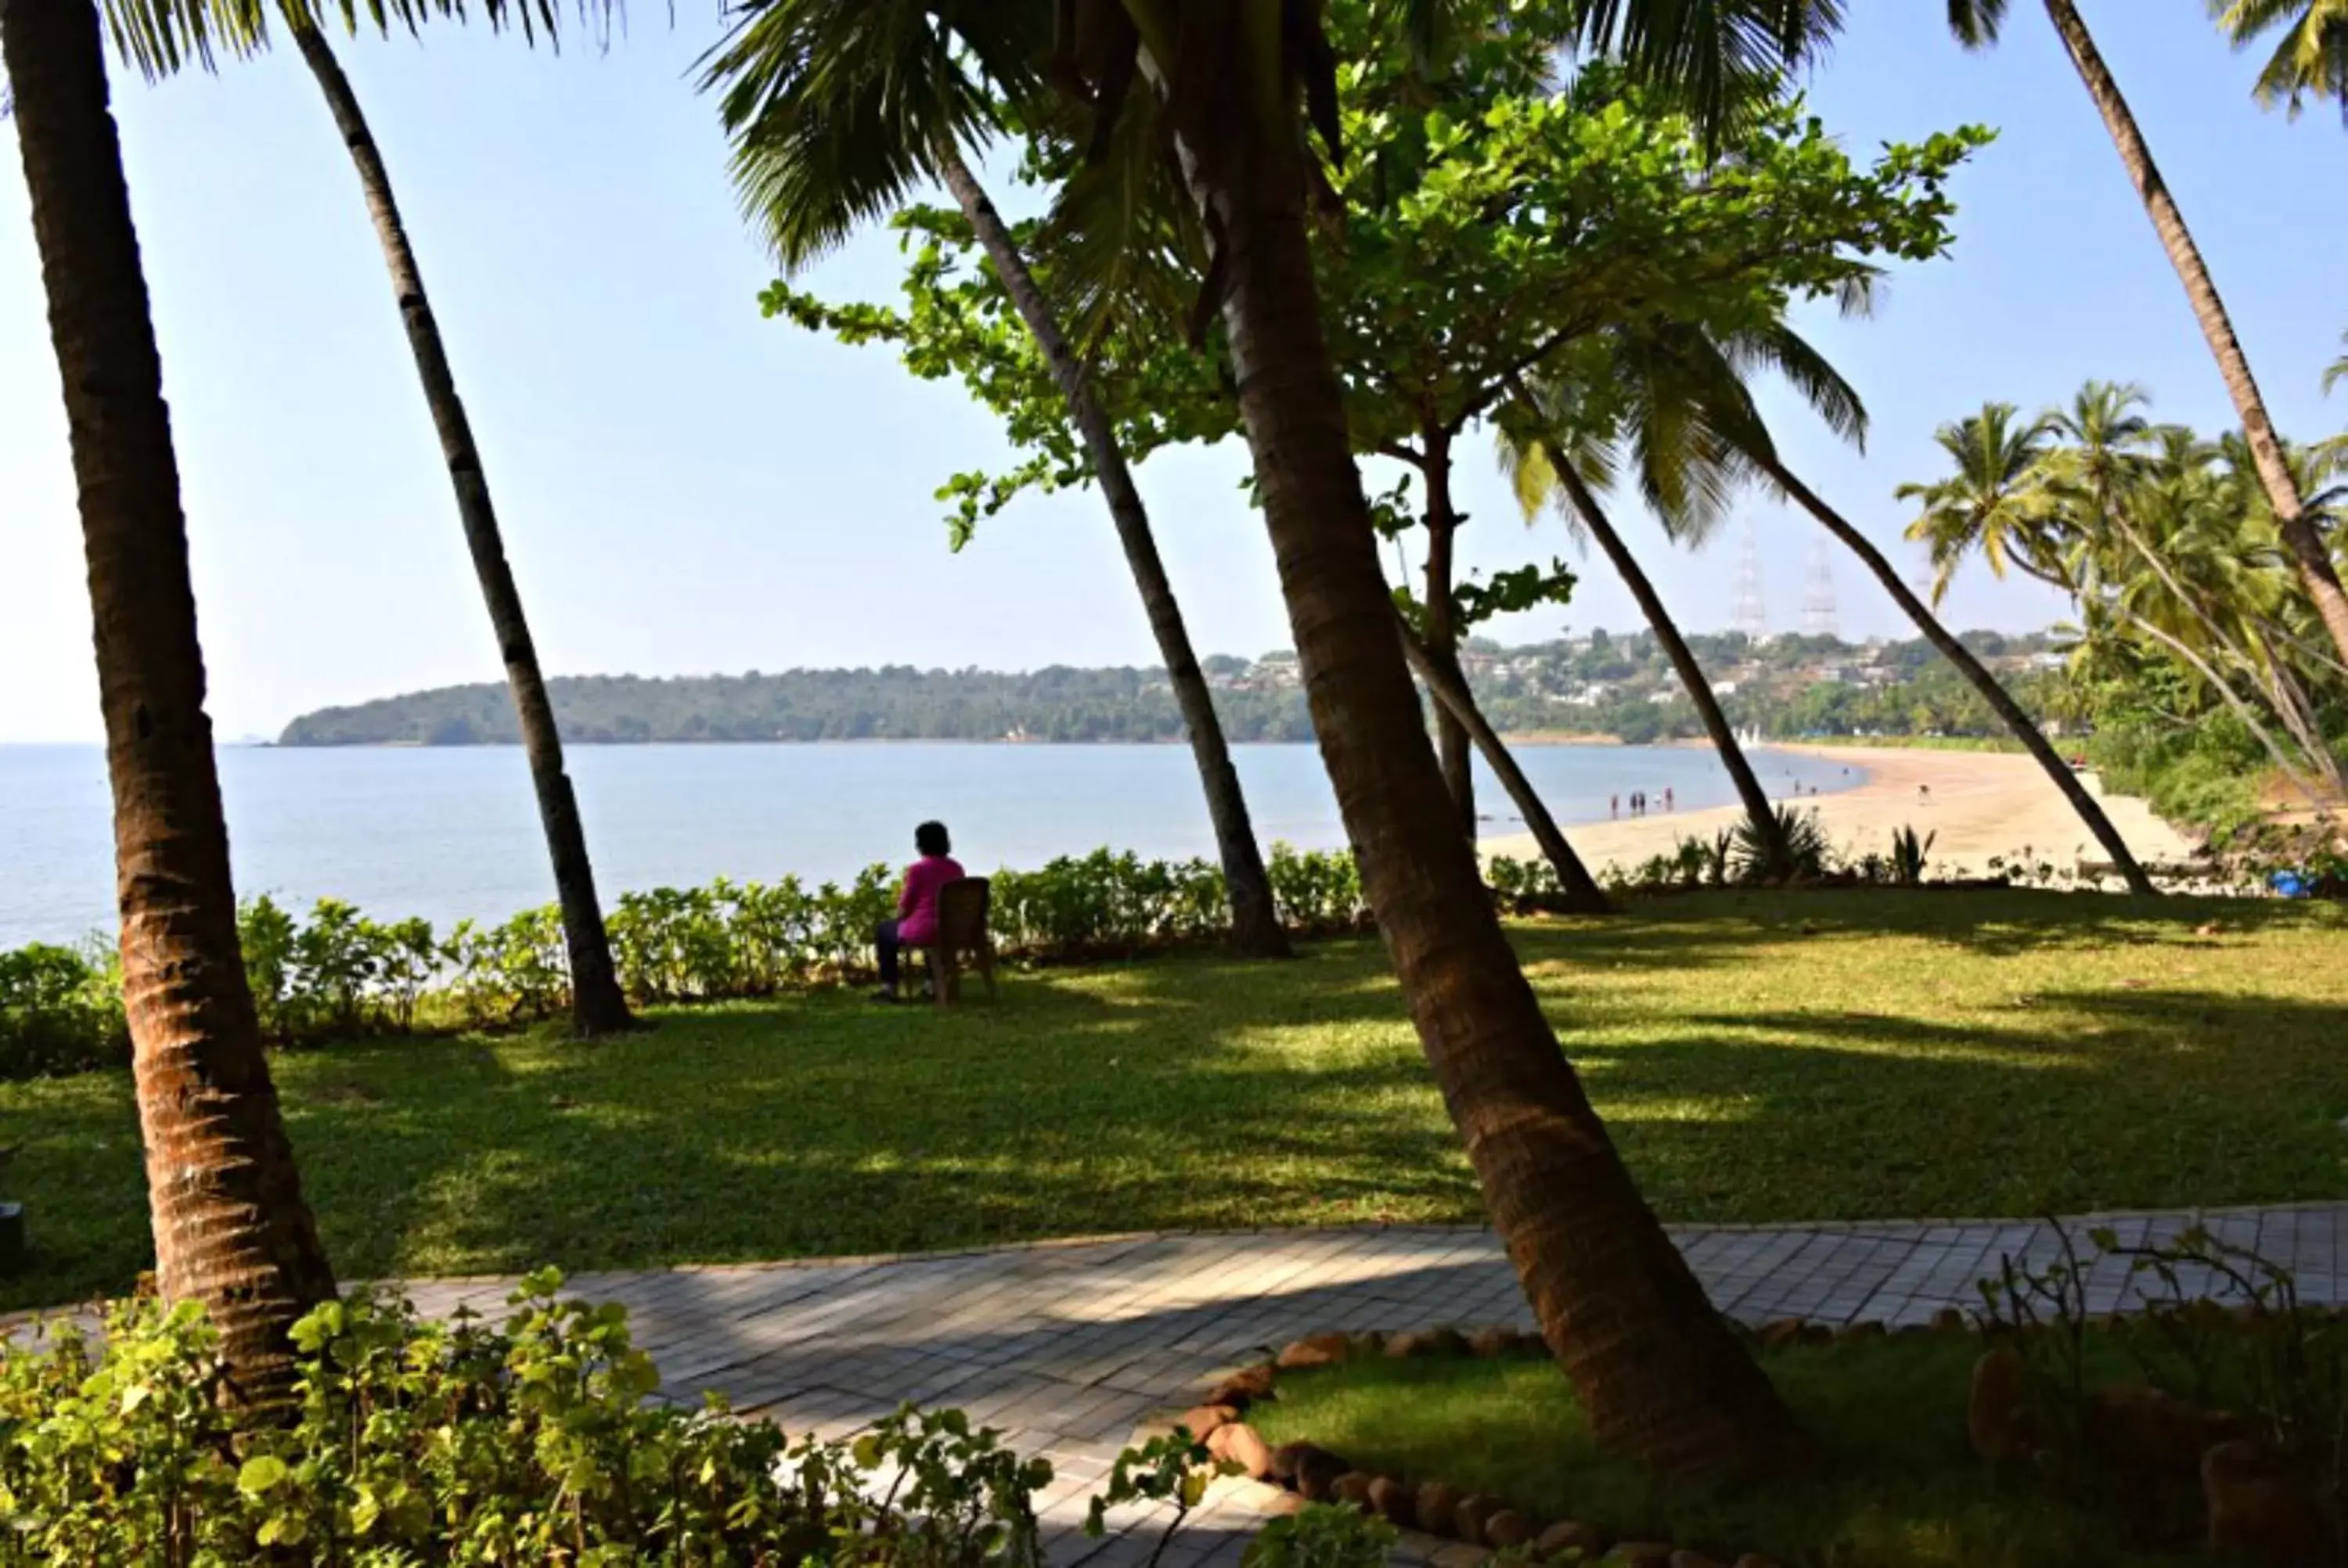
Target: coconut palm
(1709,375)
(2311,56)
(1445,681)
(1994,501)
(231,1228)
(929,107)
(597,1007)
(1555,459)
(1976,23)
(1231,86)
(1256,928)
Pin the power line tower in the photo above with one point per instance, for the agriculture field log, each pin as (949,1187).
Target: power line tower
(1751,617)
(1819,615)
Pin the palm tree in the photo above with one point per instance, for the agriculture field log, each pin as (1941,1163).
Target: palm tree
(231,1228)
(597,1007)
(1256,929)
(2337,372)
(1657,1369)
(1976,23)
(1443,678)
(1779,347)
(1680,468)
(2312,57)
(922,115)
(1993,501)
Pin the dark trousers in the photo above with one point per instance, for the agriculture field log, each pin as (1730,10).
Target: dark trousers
(885,943)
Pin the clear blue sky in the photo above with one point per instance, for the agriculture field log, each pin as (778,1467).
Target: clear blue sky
(686,488)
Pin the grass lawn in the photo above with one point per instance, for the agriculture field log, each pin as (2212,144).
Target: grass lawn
(1897,1486)
(1760,1055)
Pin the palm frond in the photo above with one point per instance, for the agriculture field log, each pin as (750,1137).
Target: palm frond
(1720,59)
(2310,57)
(1976,23)
(163,37)
(1780,348)
(835,107)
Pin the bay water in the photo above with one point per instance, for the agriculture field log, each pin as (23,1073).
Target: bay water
(452,832)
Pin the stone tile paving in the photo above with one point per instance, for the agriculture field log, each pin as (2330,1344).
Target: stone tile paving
(1069,1346)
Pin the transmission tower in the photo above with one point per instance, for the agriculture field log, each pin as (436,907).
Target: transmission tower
(1818,617)
(1751,617)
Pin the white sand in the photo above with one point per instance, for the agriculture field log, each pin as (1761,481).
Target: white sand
(1982,804)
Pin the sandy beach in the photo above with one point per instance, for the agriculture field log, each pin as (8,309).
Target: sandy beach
(1982,804)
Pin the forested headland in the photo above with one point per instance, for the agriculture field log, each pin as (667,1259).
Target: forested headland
(1619,686)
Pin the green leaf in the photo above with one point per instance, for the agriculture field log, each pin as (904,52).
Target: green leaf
(261,1474)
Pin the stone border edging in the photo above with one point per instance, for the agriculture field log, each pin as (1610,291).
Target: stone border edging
(1451,1528)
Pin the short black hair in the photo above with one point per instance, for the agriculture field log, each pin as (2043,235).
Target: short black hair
(931,838)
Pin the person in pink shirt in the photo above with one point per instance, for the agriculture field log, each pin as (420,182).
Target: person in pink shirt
(916,924)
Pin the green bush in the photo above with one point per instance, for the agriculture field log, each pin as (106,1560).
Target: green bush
(60,1011)
(337,974)
(415,1442)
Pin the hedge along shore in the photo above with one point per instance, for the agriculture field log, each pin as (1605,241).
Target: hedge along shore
(1980,805)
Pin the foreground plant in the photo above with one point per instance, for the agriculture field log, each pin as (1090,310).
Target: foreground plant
(529,1440)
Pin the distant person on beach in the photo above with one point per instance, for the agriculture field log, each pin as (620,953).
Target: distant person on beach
(916,925)
(1613,806)
(1667,798)
(1923,794)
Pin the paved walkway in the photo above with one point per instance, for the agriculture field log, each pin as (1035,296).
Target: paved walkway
(1069,1346)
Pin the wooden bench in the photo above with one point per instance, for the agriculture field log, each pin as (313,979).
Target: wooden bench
(962,906)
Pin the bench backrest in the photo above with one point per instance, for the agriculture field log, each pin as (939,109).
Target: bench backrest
(962,912)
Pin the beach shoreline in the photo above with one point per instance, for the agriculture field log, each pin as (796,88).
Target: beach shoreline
(1976,806)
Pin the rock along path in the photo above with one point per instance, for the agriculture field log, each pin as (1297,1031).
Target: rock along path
(1069,1346)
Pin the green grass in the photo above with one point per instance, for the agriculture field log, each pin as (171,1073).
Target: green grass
(1897,1486)
(1758,1056)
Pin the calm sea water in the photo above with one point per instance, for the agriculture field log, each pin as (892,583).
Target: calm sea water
(452,832)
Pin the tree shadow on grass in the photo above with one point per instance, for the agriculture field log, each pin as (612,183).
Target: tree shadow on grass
(1195,1092)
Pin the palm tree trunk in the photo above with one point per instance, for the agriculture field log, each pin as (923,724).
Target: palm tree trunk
(1656,1368)
(232,1228)
(1582,893)
(2306,544)
(1699,690)
(597,1007)
(2024,729)
(1256,929)
(2275,750)
(2285,698)
(1452,747)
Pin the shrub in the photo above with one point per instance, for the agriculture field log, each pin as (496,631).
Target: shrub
(338,974)
(417,1442)
(1317,891)
(60,1011)
(1806,848)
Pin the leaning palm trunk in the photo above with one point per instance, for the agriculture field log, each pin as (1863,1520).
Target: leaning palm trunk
(1256,929)
(2285,697)
(2276,752)
(1974,672)
(1582,893)
(1699,690)
(232,1228)
(1453,744)
(1657,1369)
(2299,533)
(597,1007)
